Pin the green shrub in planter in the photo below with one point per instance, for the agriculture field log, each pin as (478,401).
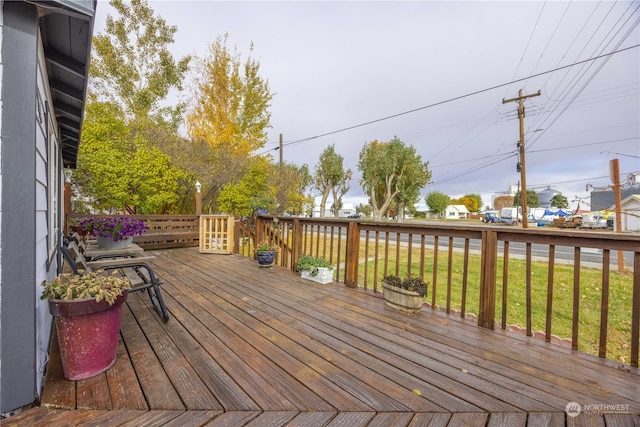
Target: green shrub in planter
(311,264)
(414,284)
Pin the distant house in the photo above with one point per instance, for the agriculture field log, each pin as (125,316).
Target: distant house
(456,212)
(630,218)
(602,199)
(345,212)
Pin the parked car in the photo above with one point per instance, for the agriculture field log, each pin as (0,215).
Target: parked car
(491,217)
(510,215)
(354,216)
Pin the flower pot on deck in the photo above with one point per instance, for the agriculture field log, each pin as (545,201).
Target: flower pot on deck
(402,299)
(322,275)
(108,243)
(88,334)
(265,258)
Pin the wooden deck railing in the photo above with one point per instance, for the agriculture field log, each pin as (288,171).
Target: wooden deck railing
(474,271)
(164,231)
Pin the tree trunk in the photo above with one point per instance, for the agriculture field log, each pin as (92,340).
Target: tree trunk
(323,201)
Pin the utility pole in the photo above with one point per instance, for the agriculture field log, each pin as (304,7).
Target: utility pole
(523,172)
(614,174)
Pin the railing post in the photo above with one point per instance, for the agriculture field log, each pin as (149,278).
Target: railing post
(296,243)
(67,205)
(489,266)
(352,255)
(635,311)
(258,232)
(236,234)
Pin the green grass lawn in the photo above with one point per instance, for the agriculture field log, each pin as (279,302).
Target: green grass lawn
(590,295)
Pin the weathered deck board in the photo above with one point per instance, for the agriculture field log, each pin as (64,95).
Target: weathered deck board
(250,346)
(291,355)
(474,340)
(383,358)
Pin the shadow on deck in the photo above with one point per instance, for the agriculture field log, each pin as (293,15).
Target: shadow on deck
(251,346)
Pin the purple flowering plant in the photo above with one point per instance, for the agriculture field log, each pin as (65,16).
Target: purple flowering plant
(114,228)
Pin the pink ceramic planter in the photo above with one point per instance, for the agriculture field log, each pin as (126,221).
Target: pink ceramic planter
(88,334)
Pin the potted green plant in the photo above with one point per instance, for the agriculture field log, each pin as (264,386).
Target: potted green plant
(313,268)
(88,309)
(113,232)
(404,294)
(266,253)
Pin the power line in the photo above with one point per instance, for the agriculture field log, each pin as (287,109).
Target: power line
(535,26)
(477,168)
(551,184)
(584,145)
(542,123)
(299,141)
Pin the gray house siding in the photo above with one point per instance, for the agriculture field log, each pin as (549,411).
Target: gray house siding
(1,179)
(42,42)
(17,238)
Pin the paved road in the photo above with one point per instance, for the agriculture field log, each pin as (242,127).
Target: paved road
(590,257)
(564,254)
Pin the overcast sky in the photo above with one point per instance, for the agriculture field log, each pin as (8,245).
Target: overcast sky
(334,65)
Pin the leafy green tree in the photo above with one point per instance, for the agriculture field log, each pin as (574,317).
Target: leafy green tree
(437,201)
(339,190)
(267,186)
(391,171)
(559,201)
(330,176)
(364,210)
(240,198)
(120,167)
(132,67)
(414,176)
(293,182)
(532,199)
(230,101)
(121,173)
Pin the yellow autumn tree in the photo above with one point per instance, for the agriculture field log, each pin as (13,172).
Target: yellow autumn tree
(471,203)
(229,102)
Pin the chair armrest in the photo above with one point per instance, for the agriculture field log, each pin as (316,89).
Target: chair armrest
(116,263)
(152,275)
(114,256)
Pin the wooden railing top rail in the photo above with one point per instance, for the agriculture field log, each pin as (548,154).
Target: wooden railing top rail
(541,235)
(137,216)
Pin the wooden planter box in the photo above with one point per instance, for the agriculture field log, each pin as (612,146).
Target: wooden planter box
(324,276)
(401,299)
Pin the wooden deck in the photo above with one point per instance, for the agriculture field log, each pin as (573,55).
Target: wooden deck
(251,346)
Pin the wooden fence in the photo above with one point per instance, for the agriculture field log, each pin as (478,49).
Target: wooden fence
(164,231)
(474,272)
